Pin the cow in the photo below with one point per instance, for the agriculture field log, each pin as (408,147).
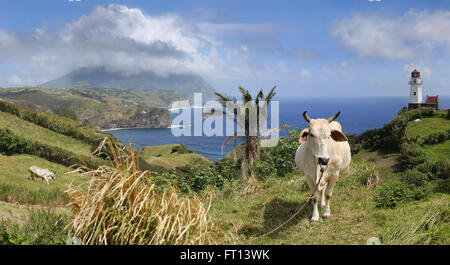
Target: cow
(324,147)
(44,174)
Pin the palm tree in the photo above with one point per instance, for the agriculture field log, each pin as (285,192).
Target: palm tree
(243,120)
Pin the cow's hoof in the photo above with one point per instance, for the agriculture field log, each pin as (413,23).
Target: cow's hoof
(326,215)
(314,219)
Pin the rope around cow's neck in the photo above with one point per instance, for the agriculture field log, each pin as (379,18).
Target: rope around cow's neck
(322,169)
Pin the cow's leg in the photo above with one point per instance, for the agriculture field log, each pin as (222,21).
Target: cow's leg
(322,197)
(328,192)
(46,179)
(315,200)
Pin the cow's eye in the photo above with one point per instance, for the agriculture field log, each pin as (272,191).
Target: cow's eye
(312,135)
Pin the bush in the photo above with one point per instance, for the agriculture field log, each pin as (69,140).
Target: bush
(9,108)
(41,227)
(411,156)
(13,144)
(181,149)
(414,177)
(434,138)
(392,135)
(392,194)
(448,114)
(68,113)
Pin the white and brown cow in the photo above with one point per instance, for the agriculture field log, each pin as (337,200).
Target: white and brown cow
(323,146)
(43,173)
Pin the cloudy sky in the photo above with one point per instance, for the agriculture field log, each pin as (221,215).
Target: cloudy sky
(355,48)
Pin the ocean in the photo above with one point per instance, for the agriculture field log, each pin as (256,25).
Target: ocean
(357,116)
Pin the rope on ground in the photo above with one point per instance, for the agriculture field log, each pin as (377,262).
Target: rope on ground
(295,214)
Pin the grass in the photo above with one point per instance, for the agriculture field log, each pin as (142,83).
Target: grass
(39,226)
(14,170)
(438,151)
(426,126)
(34,132)
(243,217)
(164,156)
(385,162)
(122,206)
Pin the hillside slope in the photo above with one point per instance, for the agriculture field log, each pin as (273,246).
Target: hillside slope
(103,108)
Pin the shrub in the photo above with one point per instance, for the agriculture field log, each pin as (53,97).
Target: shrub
(448,114)
(265,169)
(435,138)
(68,113)
(392,194)
(41,227)
(9,108)
(414,177)
(181,149)
(121,205)
(393,134)
(411,156)
(13,144)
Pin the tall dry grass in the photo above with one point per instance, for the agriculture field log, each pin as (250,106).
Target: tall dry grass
(121,205)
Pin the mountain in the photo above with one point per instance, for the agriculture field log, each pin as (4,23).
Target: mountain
(102,77)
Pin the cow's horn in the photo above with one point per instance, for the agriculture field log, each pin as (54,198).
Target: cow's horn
(332,118)
(306,117)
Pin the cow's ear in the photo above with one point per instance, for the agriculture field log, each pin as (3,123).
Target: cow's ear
(338,136)
(304,135)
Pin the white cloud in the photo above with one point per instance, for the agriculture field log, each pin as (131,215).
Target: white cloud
(128,40)
(405,37)
(305,74)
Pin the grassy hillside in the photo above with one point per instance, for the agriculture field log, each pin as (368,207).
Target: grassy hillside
(34,132)
(172,156)
(242,217)
(100,107)
(409,205)
(15,171)
(151,98)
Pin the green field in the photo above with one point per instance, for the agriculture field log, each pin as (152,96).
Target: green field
(438,151)
(246,216)
(167,157)
(34,132)
(14,170)
(426,126)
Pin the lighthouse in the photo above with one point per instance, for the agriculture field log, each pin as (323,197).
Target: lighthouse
(415,91)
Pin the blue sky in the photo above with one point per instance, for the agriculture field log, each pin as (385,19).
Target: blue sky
(355,48)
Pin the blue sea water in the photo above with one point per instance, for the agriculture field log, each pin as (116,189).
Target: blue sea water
(357,116)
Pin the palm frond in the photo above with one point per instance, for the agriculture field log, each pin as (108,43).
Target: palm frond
(274,130)
(222,99)
(234,136)
(271,94)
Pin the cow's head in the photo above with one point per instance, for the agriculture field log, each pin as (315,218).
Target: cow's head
(52,175)
(318,133)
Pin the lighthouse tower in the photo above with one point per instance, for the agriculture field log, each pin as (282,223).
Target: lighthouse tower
(415,93)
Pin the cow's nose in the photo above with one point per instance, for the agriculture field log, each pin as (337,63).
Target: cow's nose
(323,161)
